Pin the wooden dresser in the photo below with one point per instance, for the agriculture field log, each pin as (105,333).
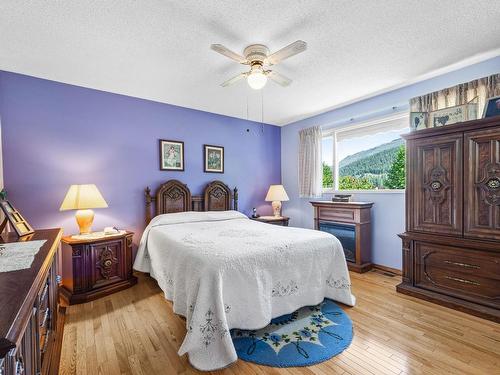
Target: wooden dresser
(29,311)
(451,247)
(350,222)
(97,267)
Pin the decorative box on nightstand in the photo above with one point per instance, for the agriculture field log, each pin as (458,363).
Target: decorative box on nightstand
(281,220)
(94,268)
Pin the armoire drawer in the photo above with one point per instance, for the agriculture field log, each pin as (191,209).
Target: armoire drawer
(465,273)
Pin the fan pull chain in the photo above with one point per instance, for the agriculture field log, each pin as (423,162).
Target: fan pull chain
(262,109)
(247,104)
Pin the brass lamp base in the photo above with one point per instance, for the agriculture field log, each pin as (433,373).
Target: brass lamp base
(84,218)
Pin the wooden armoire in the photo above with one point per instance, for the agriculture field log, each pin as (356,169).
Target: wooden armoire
(451,247)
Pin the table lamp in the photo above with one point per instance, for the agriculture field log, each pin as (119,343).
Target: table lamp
(276,194)
(83,198)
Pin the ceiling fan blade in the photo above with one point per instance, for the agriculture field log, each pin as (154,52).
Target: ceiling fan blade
(235,79)
(286,52)
(228,53)
(279,78)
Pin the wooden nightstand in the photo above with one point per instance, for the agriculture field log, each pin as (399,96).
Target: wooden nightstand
(282,220)
(97,267)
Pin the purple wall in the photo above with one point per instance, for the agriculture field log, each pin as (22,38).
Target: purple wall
(55,135)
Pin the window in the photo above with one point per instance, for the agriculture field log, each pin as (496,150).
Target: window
(327,161)
(365,156)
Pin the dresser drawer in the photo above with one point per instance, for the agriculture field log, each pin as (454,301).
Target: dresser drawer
(465,273)
(337,214)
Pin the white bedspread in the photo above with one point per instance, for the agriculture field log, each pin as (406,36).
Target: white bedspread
(224,271)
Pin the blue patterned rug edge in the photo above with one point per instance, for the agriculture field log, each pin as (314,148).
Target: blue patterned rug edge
(312,363)
(316,320)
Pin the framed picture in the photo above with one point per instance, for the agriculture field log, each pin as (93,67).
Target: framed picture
(171,155)
(16,220)
(213,159)
(447,116)
(452,115)
(418,120)
(492,107)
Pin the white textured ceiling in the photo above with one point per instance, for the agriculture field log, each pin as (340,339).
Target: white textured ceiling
(159,50)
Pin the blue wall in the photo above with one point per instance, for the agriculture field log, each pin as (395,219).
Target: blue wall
(388,211)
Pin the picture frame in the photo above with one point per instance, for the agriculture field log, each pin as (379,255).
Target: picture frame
(492,107)
(452,115)
(419,120)
(171,155)
(16,220)
(213,159)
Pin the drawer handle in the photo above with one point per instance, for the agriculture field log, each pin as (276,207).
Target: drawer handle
(463,281)
(46,342)
(464,265)
(44,293)
(45,317)
(19,366)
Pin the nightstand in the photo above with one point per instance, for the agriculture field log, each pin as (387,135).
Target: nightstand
(282,220)
(94,268)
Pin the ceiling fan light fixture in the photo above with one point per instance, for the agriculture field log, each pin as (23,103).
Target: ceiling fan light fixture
(257,79)
(258,57)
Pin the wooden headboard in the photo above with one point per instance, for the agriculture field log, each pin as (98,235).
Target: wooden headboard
(174,196)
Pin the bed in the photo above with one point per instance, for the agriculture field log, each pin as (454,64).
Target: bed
(222,270)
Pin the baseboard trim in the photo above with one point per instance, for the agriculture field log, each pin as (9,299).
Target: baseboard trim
(359,268)
(388,269)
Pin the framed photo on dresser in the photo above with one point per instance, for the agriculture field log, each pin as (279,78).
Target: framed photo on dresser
(16,220)
(171,155)
(492,107)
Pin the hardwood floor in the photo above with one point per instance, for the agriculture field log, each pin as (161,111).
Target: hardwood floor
(136,332)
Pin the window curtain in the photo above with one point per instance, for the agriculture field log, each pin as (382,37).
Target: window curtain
(482,88)
(310,169)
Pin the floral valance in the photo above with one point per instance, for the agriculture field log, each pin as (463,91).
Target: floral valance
(482,88)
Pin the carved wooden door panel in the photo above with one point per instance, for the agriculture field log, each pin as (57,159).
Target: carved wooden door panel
(482,184)
(107,263)
(435,185)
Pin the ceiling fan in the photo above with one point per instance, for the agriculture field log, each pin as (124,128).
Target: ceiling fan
(257,56)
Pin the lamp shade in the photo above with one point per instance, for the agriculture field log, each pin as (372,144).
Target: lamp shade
(276,193)
(82,197)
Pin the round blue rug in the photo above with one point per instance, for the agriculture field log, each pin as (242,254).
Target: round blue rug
(307,336)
